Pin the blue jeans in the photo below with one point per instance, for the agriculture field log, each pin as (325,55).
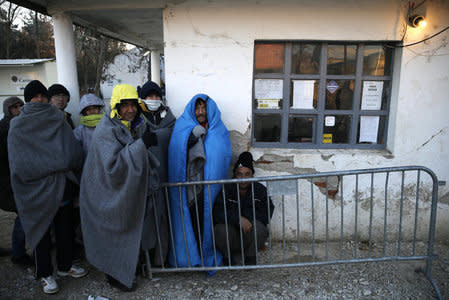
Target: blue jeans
(18,239)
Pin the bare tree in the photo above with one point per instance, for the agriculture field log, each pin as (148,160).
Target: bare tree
(11,13)
(94,52)
(36,35)
(100,64)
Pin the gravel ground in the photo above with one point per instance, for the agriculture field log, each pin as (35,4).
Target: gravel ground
(391,280)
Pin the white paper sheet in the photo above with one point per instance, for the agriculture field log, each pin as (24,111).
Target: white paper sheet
(329,121)
(303,94)
(268,88)
(372,95)
(369,126)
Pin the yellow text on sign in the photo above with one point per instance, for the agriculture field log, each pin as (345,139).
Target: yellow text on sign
(327,138)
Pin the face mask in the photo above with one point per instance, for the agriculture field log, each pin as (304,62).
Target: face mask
(153,105)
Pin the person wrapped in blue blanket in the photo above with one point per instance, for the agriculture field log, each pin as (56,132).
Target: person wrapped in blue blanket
(199,149)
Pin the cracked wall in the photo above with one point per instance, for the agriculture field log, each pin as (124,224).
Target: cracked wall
(209,49)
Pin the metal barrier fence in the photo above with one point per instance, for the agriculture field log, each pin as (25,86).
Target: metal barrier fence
(355,216)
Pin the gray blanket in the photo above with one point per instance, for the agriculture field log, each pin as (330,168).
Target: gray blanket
(114,188)
(195,169)
(43,152)
(155,229)
(163,132)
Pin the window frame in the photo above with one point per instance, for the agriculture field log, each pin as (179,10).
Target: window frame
(287,76)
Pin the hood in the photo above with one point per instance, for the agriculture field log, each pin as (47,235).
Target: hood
(11,101)
(122,92)
(89,100)
(213,113)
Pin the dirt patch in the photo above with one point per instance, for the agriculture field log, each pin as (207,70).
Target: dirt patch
(391,280)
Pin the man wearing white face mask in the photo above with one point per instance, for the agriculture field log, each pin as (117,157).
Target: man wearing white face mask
(161,120)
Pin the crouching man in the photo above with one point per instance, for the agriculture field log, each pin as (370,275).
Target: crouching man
(244,221)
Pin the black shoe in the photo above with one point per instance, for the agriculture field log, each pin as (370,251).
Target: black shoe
(23,261)
(225,262)
(237,260)
(250,260)
(117,284)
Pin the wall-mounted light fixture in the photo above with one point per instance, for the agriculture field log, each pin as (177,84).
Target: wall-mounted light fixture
(417,21)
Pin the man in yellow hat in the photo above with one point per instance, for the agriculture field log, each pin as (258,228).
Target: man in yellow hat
(118,174)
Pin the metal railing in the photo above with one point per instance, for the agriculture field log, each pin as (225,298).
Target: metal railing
(354,216)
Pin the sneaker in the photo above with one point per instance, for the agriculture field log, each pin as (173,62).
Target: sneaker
(75,272)
(49,285)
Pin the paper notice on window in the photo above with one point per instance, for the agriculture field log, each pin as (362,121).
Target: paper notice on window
(327,138)
(268,88)
(372,95)
(303,94)
(267,103)
(369,126)
(329,121)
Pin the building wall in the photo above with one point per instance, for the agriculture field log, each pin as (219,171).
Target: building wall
(209,49)
(45,72)
(124,69)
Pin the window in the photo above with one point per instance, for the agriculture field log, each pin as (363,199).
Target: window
(321,94)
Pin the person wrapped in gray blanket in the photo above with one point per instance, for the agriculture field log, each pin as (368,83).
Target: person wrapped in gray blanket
(43,158)
(117,175)
(160,119)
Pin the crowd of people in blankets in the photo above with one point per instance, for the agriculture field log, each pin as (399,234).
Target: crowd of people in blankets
(95,190)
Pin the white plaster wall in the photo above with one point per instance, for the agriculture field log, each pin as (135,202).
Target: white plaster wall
(209,49)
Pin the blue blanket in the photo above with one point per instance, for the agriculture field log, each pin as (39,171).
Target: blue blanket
(218,153)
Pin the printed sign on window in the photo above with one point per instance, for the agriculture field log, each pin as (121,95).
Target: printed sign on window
(303,94)
(369,126)
(332,86)
(372,95)
(268,88)
(329,121)
(327,138)
(267,103)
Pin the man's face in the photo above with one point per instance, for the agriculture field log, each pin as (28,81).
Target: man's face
(153,97)
(92,110)
(15,109)
(60,101)
(39,98)
(243,172)
(128,110)
(201,112)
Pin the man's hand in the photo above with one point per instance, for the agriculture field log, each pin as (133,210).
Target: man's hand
(199,131)
(149,138)
(246,224)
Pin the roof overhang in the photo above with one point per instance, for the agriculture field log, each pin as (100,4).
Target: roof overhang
(23,62)
(138,22)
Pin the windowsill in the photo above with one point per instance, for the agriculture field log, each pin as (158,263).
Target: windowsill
(324,152)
